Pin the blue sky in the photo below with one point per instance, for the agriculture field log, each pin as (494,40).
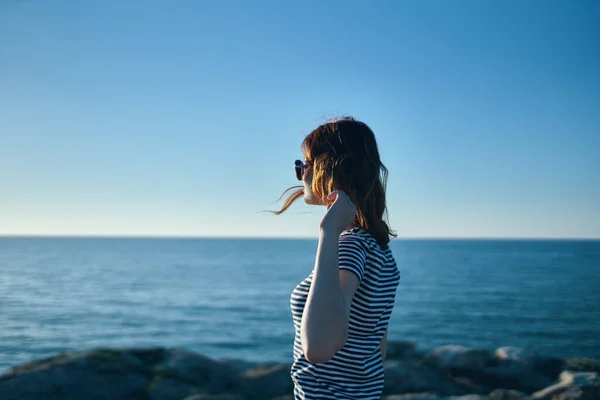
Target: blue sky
(184,118)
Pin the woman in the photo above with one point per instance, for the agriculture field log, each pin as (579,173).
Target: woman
(342,309)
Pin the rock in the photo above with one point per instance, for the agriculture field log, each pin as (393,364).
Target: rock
(215,397)
(468,385)
(582,364)
(145,356)
(169,389)
(536,371)
(432,396)
(399,350)
(577,384)
(580,393)
(457,358)
(406,377)
(239,366)
(402,377)
(413,396)
(457,372)
(268,382)
(515,354)
(516,375)
(505,394)
(510,368)
(550,367)
(203,372)
(153,374)
(262,379)
(90,375)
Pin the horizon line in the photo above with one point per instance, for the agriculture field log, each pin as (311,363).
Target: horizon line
(200,237)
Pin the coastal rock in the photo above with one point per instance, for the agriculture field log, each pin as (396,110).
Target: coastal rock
(169,389)
(406,377)
(268,382)
(514,374)
(431,396)
(403,377)
(447,373)
(516,354)
(582,364)
(469,397)
(580,393)
(197,370)
(149,374)
(239,366)
(215,397)
(90,375)
(528,369)
(506,394)
(399,350)
(155,374)
(509,368)
(262,379)
(413,396)
(572,386)
(457,357)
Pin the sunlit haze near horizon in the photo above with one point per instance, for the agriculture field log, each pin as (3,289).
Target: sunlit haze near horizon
(184,118)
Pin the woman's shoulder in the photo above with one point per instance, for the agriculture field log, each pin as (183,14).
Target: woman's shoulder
(362,236)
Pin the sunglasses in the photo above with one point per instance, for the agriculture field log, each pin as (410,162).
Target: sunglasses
(300,167)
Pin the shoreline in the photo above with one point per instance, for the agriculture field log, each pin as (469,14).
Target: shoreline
(160,373)
(421,350)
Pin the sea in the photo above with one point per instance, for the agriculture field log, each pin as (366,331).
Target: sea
(229,298)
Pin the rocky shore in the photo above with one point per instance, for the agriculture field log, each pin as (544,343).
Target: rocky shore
(447,372)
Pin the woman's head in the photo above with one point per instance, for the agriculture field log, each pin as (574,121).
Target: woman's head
(342,154)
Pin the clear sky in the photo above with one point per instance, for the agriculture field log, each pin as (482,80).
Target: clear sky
(184,118)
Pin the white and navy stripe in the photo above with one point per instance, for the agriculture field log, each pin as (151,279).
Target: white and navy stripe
(356,370)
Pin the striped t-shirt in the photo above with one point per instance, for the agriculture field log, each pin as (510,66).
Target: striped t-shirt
(356,370)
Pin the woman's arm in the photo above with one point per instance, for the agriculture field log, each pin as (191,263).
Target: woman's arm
(324,327)
(336,276)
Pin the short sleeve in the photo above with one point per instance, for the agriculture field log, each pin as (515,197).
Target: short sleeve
(352,254)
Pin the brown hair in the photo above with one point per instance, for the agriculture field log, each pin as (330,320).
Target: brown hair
(345,157)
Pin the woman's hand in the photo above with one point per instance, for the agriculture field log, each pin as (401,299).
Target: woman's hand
(340,213)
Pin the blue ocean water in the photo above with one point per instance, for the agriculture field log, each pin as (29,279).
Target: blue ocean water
(230,298)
